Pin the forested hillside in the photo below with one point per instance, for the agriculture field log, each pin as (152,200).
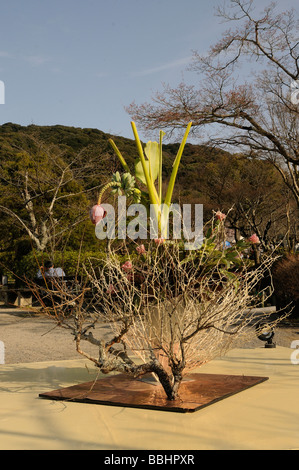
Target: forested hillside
(51,175)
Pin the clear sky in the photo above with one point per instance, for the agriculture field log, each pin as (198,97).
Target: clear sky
(80,62)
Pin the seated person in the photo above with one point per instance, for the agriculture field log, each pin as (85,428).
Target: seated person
(49,271)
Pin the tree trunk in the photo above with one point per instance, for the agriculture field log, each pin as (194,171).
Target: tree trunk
(170,384)
(256,254)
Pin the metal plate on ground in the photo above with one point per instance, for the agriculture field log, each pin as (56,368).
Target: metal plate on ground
(196,391)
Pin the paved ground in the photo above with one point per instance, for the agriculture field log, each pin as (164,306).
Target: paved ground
(35,338)
(31,337)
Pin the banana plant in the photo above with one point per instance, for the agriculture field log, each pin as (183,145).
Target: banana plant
(148,169)
(120,184)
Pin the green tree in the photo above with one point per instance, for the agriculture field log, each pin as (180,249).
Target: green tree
(41,194)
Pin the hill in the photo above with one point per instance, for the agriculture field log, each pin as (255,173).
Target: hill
(94,144)
(207,175)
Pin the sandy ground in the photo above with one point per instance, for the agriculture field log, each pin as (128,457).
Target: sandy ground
(29,337)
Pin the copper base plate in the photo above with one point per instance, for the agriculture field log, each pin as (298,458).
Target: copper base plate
(196,392)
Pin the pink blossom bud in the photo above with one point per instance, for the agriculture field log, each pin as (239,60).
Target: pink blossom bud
(140,249)
(220,216)
(254,239)
(111,289)
(127,266)
(159,241)
(97,213)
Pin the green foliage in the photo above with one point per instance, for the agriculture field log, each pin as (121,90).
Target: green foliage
(210,176)
(71,262)
(152,163)
(149,168)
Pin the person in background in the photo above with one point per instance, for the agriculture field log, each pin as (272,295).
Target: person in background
(48,270)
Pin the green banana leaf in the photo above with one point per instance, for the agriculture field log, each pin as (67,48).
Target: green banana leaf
(152,151)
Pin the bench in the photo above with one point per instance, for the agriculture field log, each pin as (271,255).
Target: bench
(15,296)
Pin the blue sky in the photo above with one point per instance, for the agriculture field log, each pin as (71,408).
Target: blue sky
(79,63)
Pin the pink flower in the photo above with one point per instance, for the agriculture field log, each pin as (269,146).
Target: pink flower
(159,241)
(140,249)
(127,266)
(254,239)
(97,213)
(111,289)
(220,216)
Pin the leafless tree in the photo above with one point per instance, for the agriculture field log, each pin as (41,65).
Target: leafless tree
(167,313)
(257,113)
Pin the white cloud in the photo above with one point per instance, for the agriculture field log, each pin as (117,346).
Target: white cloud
(36,60)
(166,66)
(4,54)
(101,74)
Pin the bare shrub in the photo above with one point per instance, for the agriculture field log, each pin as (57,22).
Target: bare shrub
(168,311)
(286,276)
(286,283)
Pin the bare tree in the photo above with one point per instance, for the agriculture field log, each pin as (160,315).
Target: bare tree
(168,312)
(42,191)
(260,115)
(257,200)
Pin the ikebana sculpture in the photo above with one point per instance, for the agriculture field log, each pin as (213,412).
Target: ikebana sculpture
(148,171)
(168,310)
